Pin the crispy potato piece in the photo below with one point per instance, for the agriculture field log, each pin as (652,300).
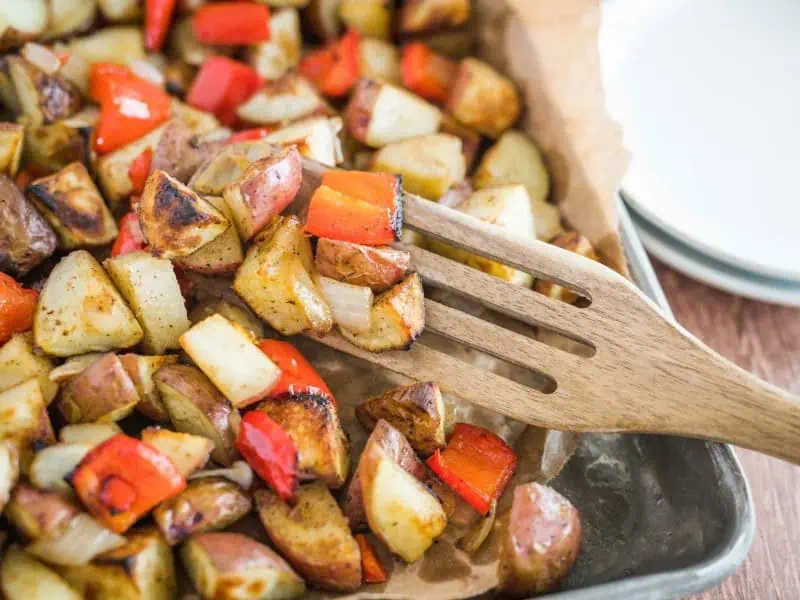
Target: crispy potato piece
(142,569)
(322,18)
(37,513)
(419,16)
(398,318)
(26,239)
(52,466)
(22,577)
(227,354)
(394,445)
(376,267)
(379,60)
(208,504)
(272,59)
(19,362)
(483,99)
(380,113)
(9,471)
(574,242)
(188,452)
(228,166)
(195,406)
(200,122)
(176,221)
(21,408)
(313,536)
(110,44)
(400,510)
(507,206)
(323,450)
(112,168)
(416,411)
(80,310)
(88,433)
(470,139)
(73,206)
(43,98)
(275,280)
(539,541)
(21,21)
(151,289)
(371,18)
(267,187)
(141,370)
(50,148)
(233,312)
(283,101)
(429,164)
(102,392)
(315,137)
(223,255)
(232,566)
(120,10)
(11,137)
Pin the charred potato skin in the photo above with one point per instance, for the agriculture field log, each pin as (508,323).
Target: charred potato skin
(26,239)
(416,411)
(208,504)
(312,422)
(330,561)
(74,208)
(425,16)
(574,242)
(44,98)
(102,392)
(376,267)
(540,541)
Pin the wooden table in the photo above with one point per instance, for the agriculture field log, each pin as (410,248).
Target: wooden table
(764,339)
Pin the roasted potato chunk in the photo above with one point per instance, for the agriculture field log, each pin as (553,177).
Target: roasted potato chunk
(43,98)
(379,60)
(313,536)
(312,422)
(11,137)
(73,206)
(574,242)
(188,452)
(141,370)
(208,504)
(398,318)
(539,541)
(315,137)
(283,101)
(421,16)
(142,569)
(375,267)
(102,392)
(483,99)
(19,363)
(232,566)
(72,366)
(21,408)
(26,239)
(416,411)
(228,355)
(470,139)
(50,148)
(195,406)
(223,255)
(80,310)
(275,280)
(380,113)
(429,164)
(151,289)
(273,58)
(22,577)
(228,165)
(176,221)
(38,513)
(180,150)
(267,187)
(9,471)
(371,18)
(110,44)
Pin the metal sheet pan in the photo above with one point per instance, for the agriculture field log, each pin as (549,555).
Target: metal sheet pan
(663,516)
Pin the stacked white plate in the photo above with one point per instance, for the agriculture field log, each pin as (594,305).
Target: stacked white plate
(708,93)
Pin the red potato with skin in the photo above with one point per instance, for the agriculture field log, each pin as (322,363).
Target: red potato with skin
(376,267)
(268,186)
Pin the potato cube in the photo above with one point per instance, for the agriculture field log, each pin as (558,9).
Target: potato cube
(483,99)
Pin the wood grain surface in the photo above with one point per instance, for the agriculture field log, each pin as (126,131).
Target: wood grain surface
(764,339)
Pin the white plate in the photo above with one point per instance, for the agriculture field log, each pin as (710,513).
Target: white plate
(713,272)
(708,92)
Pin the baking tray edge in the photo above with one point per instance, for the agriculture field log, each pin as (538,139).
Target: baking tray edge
(739,537)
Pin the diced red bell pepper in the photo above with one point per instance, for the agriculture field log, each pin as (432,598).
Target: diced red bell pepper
(129,238)
(476,463)
(249,134)
(382,189)
(426,73)
(221,85)
(157,17)
(140,169)
(341,217)
(335,68)
(122,479)
(130,107)
(232,23)
(372,569)
(271,453)
(297,374)
(17,306)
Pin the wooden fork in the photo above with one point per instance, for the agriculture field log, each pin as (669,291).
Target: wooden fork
(647,374)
